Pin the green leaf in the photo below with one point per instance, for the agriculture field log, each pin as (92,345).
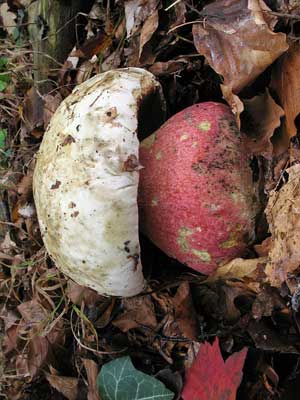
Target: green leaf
(3,135)
(119,380)
(3,62)
(4,81)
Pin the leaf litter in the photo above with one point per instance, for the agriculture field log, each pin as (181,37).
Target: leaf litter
(56,335)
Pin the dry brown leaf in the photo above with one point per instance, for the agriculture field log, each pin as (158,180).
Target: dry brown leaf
(136,12)
(138,311)
(263,117)
(148,29)
(33,109)
(237,41)
(32,312)
(283,214)
(234,101)
(185,314)
(8,18)
(180,11)
(92,371)
(77,294)
(168,67)
(238,268)
(51,104)
(286,84)
(263,248)
(93,46)
(66,385)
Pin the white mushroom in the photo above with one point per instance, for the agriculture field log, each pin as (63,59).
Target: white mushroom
(86,179)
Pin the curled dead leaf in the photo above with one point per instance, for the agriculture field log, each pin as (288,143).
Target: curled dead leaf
(66,385)
(237,41)
(263,117)
(238,268)
(283,214)
(286,84)
(149,27)
(139,311)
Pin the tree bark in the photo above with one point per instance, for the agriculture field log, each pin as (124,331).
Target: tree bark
(52,31)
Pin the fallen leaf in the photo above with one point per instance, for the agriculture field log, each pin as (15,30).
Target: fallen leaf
(180,12)
(32,312)
(93,46)
(184,312)
(78,294)
(92,371)
(50,106)
(136,12)
(148,28)
(268,339)
(286,84)
(8,19)
(263,248)
(66,385)
(283,214)
(168,67)
(33,109)
(119,380)
(139,311)
(212,378)
(262,118)
(237,41)
(234,102)
(237,268)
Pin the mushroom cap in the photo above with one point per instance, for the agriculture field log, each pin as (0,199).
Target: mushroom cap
(196,196)
(86,179)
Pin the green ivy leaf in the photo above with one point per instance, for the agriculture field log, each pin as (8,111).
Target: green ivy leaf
(119,380)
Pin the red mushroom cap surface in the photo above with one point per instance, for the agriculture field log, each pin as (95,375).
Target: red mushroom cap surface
(196,194)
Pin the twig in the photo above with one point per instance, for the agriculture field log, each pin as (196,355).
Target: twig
(172,5)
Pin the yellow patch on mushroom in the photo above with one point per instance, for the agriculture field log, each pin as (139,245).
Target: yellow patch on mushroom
(204,126)
(158,155)
(182,238)
(154,202)
(183,137)
(202,254)
(231,242)
(148,142)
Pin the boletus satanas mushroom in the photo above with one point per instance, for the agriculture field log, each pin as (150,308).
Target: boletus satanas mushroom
(86,179)
(197,199)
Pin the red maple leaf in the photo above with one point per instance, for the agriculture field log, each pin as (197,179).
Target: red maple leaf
(212,378)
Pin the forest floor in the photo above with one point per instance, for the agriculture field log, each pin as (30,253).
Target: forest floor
(55,335)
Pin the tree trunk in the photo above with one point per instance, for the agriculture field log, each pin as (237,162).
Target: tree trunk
(52,31)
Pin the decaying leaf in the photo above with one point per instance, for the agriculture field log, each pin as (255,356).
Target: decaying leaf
(237,41)
(136,12)
(263,117)
(238,268)
(283,214)
(8,18)
(92,372)
(212,378)
(66,385)
(148,28)
(33,109)
(185,314)
(139,312)
(286,84)
(168,67)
